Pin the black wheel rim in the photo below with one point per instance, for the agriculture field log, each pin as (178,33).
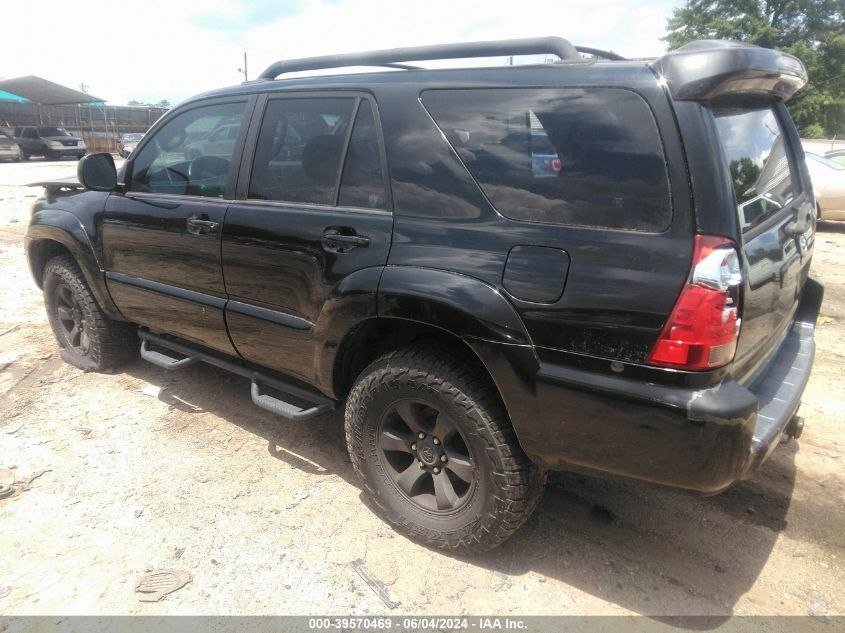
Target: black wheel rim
(426,456)
(71,319)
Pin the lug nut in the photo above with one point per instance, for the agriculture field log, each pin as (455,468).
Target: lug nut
(436,470)
(414,446)
(421,435)
(435,441)
(443,458)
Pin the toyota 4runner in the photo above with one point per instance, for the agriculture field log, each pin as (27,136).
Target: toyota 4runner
(593,264)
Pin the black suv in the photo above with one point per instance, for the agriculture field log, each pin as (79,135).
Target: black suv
(593,264)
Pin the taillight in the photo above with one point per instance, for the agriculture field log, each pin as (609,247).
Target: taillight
(702,330)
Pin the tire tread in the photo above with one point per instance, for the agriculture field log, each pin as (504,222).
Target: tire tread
(519,482)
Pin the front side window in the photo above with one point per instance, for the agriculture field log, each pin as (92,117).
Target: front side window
(187,156)
(753,143)
(574,156)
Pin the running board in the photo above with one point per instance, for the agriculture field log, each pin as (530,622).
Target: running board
(321,404)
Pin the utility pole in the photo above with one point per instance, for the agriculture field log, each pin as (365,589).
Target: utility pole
(244,69)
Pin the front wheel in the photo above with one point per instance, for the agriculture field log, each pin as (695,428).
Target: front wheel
(89,339)
(429,436)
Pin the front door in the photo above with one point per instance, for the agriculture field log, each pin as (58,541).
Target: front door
(315,210)
(161,236)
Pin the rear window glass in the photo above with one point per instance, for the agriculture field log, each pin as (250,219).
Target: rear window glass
(585,157)
(753,143)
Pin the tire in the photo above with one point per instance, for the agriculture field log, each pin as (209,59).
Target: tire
(24,155)
(89,339)
(494,486)
(48,155)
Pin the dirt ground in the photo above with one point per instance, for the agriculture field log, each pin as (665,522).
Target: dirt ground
(141,470)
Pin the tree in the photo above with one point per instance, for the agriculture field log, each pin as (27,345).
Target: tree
(812,30)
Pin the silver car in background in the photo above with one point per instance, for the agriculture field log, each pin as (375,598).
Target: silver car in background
(9,149)
(828,186)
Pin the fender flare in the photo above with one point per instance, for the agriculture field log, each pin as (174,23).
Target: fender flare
(66,229)
(465,306)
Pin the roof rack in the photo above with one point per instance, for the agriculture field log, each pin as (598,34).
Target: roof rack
(588,50)
(527,46)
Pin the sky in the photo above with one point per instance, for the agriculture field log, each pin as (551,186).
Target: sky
(172,49)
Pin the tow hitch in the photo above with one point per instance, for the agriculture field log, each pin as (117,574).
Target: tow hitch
(795,427)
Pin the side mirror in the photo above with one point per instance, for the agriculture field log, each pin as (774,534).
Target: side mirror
(97,173)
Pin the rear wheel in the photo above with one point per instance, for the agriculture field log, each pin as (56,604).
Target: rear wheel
(430,438)
(88,338)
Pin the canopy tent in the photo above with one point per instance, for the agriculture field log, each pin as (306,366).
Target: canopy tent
(8,96)
(45,92)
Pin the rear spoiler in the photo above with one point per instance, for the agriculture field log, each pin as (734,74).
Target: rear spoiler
(708,69)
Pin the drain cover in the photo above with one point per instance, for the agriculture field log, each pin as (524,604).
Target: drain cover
(153,586)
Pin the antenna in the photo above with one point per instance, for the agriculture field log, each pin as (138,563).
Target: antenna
(244,69)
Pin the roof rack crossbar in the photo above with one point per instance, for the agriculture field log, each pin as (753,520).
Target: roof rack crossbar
(588,50)
(528,46)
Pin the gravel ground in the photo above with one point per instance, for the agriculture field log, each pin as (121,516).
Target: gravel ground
(119,474)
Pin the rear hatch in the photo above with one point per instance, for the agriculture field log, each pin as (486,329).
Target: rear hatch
(774,209)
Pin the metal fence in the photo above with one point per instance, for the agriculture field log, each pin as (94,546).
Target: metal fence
(99,126)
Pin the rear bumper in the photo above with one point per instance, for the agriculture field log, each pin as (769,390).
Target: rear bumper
(778,385)
(702,439)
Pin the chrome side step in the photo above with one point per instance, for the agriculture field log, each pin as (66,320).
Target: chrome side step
(321,404)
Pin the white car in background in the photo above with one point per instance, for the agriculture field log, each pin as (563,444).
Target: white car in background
(828,185)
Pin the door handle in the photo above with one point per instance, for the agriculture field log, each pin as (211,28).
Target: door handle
(334,240)
(198,226)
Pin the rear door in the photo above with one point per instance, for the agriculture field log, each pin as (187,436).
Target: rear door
(776,232)
(313,209)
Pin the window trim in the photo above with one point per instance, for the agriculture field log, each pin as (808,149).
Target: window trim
(249,102)
(241,193)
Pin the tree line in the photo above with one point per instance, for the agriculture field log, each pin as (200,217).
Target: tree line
(812,30)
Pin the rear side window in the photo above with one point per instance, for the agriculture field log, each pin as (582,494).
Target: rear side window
(753,142)
(584,157)
(299,153)
(299,156)
(363,179)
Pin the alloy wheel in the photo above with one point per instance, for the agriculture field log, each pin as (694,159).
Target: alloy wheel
(71,318)
(426,456)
